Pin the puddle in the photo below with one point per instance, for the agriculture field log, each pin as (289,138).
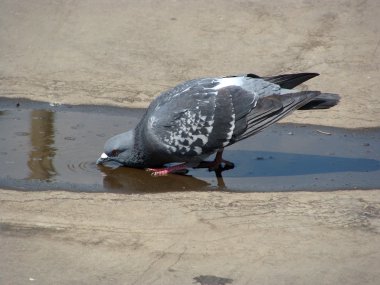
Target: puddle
(55,147)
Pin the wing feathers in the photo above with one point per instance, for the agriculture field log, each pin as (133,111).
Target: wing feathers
(323,101)
(272,108)
(224,121)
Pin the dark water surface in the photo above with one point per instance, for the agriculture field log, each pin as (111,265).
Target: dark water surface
(55,147)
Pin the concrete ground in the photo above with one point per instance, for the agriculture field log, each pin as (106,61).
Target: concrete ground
(124,53)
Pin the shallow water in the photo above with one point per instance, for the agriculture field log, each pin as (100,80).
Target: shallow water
(55,147)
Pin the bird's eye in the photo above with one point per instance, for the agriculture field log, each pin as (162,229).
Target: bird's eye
(115,152)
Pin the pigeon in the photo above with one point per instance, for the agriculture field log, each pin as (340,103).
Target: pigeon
(183,126)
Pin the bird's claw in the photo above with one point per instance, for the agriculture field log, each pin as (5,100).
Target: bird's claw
(225,165)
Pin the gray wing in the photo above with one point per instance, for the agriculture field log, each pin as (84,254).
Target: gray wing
(202,116)
(255,103)
(268,110)
(180,120)
(196,118)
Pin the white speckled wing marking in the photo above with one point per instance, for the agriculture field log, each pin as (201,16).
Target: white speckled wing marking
(202,116)
(184,123)
(189,132)
(231,130)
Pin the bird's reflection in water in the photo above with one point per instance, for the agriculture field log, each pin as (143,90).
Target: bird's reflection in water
(42,151)
(130,180)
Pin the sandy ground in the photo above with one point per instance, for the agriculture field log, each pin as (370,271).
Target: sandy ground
(277,238)
(124,53)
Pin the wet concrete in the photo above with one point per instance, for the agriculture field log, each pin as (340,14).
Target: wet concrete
(46,146)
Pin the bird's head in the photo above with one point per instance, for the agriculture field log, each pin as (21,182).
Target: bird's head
(119,149)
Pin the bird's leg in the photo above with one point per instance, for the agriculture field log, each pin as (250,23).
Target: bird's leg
(216,164)
(166,170)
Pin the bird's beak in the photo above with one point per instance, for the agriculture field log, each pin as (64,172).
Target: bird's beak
(102,158)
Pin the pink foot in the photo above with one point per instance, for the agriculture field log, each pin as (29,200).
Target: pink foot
(166,170)
(158,171)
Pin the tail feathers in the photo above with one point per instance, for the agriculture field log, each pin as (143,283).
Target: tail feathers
(322,101)
(289,81)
